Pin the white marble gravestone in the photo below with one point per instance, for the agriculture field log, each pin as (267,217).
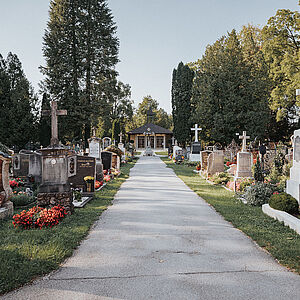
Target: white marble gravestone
(293,184)
(95,147)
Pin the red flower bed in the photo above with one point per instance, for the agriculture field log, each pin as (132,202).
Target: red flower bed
(38,217)
(98,184)
(106,178)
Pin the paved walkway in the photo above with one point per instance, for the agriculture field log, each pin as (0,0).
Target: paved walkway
(161,241)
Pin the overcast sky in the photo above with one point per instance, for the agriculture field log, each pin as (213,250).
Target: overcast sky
(155,35)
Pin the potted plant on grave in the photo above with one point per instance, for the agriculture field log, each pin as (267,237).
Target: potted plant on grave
(89,180)
(198,167)
(77,194)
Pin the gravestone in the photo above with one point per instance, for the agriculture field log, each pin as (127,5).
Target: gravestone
(215,162)
(293,184)
(6,206)
(195,152)
(244,159)
(106,158)
(55,188)
(106,142)
(204,159)
(85,167)
(95,147)
(115,162)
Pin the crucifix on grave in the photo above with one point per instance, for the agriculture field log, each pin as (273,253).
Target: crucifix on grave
(196,129)
(244,137)
(121,135)
(54,112)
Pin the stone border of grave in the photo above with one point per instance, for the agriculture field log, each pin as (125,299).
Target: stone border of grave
(85,200)
(282,216)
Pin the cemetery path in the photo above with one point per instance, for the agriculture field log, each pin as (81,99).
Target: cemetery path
(161,241)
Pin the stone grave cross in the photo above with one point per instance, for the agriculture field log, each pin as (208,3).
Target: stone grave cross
(173,140)
(244,137)
(94,132)
(54,112)
(121,135)
(196,129)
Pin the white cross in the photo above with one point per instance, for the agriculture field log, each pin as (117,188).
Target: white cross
(121,135)
(244,137)
(173,141)
(196,129)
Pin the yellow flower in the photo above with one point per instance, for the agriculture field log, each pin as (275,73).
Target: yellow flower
(86,178)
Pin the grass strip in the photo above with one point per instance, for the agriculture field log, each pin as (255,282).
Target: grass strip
(280,241)
(27,254)
(161,153)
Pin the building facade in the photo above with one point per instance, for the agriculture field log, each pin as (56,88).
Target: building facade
(151,136)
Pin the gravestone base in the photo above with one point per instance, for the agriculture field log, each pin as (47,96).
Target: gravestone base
(64,199)
(6,210)
(194,157)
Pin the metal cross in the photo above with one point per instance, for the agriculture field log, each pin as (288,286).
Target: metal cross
(244,137)
(54,112)
(196,129)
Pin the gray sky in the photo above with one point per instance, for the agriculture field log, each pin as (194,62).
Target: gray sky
(155,35)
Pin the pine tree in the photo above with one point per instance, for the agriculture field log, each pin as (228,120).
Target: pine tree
(182,83)
(18,101)
(44,123)
(81,51)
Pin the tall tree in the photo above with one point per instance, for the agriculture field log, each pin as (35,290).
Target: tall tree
(281,48)
(81,51)
(18,101)
(228,96)
(44,123)
(160,116)
(182,83)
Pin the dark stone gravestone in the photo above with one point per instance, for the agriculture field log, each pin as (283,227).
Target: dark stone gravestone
(21,164)
(85,167)
(106,158)
(196,148)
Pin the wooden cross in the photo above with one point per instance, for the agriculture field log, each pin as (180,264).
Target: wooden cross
(244,137)
(196,129)
(54,112)
(121,135)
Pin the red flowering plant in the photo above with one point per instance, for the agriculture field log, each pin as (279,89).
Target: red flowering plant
(38,217)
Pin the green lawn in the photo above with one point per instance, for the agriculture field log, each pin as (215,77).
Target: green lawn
(162,153)
(27,254)
(280,241)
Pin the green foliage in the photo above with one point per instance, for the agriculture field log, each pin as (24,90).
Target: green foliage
(258,194)
(231,88)
(115,131)
(284,202)
(17,101)
(257,171)
(182,82)
(244,183)
(160,118)
(281,46)
(81,51)
(44,123)
(221,178)
(21,200)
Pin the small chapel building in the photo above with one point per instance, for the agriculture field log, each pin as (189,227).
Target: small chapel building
(151,135)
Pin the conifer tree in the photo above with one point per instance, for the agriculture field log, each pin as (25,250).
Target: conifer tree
(182,83)
(18,101)
(81,51)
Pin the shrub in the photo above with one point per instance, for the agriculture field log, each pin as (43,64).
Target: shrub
(257,194)
(245,183)
(21,200)
(221,178)
(284,202)
(257,171)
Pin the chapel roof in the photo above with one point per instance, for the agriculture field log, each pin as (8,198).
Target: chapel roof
(153,128)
